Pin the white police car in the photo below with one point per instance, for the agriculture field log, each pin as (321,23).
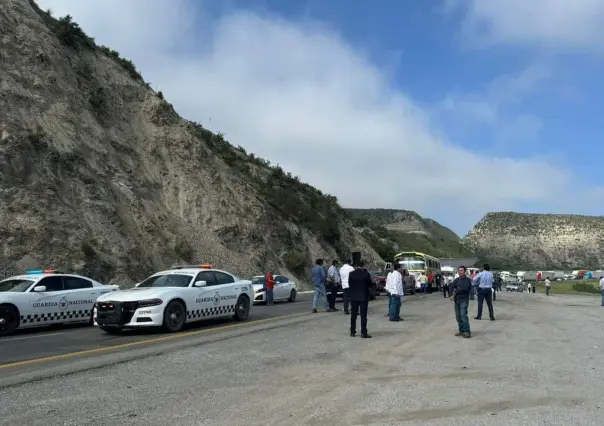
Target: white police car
(45,297)
(172,298)
(284,289)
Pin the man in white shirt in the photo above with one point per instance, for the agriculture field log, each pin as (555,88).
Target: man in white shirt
(602,289)
(345,270)
(332,282)
(387,288)
(395,285)
(548,286)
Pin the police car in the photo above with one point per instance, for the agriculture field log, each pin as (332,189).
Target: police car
(45,297)
(172,298)
(284,289)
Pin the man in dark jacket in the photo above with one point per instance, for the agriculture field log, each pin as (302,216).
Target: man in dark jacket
(462,288)
(359,283)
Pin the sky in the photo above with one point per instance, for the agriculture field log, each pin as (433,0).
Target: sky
(451,108)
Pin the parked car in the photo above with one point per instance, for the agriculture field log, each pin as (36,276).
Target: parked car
(379,279)
(284,289)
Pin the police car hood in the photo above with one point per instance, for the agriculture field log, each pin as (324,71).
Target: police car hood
(136,294)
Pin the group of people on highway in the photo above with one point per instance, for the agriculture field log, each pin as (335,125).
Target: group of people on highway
(356,282)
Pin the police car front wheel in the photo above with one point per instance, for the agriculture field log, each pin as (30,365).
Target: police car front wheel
(9,319)
(174,316)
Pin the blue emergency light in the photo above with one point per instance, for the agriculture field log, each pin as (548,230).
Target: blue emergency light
(40,271)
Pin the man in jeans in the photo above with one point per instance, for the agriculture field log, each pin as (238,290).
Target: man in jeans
(318,282)
(548,286)
(269,286)
(345,270)
(602,289)
(396,292)
(484,283)
(462,286)
(333,281)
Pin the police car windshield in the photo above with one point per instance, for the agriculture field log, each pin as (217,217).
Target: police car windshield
(17,286)
(169,280)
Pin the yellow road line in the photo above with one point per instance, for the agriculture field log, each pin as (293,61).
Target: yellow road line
(141,342)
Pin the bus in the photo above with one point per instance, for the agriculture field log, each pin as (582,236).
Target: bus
(416,262)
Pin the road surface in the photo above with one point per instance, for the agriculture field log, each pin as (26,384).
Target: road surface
(49,342)
(538,364)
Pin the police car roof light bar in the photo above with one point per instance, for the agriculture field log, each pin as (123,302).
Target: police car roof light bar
(204,266)
(41,271)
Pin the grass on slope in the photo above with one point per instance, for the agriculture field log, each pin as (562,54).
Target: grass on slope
(585,287)
(384,242)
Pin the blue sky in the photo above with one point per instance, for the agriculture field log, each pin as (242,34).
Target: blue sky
(452,108)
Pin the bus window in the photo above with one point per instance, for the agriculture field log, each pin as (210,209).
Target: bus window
(412,262)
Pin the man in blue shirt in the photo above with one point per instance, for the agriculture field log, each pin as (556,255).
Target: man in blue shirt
(484,281)
(318,282)
(462,287)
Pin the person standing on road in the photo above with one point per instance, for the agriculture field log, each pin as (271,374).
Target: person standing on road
(396,293)
(423,282)
(269,286)
(359,283)
(318,283)
(446,283)
(333,280)
(602,289)
(548,286)
(484,282)
(387,288)
(345,270)
(462,286)
(528,287)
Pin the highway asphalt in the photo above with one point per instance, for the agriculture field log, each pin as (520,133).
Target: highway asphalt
(50,342)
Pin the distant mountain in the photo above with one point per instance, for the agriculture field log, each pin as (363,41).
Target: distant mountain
(538,241)
(390,231)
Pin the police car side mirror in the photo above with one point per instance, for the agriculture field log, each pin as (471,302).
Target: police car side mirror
(40,289)
(200,283)
(137,284)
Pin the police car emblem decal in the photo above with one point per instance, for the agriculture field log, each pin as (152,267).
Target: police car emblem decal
(216,299)
(63,303)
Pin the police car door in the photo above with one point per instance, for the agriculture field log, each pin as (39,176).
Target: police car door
(206,300)
(47,306)
(228,292)
(81,297)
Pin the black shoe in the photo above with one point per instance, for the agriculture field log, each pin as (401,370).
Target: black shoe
(334,309)
(347,313)
(314,311)
(493,319)
(477,318)
(366,336)
(400,319)
(353,333)
(395,320)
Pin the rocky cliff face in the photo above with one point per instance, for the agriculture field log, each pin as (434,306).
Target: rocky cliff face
(99,175)
(538,241)
(391,231)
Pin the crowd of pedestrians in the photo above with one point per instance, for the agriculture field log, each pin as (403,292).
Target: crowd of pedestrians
(356,282)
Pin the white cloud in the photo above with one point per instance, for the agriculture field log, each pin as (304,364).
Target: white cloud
(486,106)
(551,24)
(299,95)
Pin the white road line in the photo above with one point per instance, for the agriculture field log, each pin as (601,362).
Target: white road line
(29,337)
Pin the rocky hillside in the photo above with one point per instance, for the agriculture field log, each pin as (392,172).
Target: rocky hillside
(101,176)
(538,241)
(391,231)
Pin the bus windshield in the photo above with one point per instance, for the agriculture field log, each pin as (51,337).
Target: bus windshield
(412,262)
